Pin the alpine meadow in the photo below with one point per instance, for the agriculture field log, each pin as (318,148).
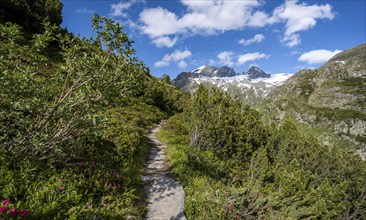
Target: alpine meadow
(90,129)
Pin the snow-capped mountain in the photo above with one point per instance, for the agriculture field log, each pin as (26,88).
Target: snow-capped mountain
(251,86)
(211,71)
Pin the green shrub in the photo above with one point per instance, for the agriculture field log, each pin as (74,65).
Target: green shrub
(264,172)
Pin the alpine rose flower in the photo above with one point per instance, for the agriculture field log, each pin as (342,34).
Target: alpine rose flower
(3,209)
(24,212)
(6,202)
(13,212)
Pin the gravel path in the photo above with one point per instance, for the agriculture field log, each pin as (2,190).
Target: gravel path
(165,195)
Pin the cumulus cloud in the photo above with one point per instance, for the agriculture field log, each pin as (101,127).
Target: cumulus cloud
(299,17)
(244,58)
(228,58)
(317,56)
(164,42)
(159,22)
(218,16)
(225,58)
(177,57)
(291,40)
(119,9)
(202,17)
(256,39)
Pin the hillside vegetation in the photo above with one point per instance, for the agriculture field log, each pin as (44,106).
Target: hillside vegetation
(233,166)
(329,102)
(73,123)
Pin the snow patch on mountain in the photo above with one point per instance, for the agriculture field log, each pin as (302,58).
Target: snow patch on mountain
(244,80)
(275,79)
(199,69)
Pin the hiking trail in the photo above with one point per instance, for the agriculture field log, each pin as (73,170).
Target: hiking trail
(165,194)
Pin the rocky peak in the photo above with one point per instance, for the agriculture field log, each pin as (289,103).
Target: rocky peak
(255,72)
(211,71)
(225,71)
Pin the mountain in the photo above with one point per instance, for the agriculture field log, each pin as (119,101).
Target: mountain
(251,86)
(211,71)
(329,101)
(255,73)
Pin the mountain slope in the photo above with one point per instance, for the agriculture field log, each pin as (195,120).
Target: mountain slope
(329,100)
(251,86)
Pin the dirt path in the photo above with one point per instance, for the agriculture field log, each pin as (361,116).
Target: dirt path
(165,195)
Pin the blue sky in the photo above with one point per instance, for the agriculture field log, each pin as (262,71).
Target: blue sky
(279,36)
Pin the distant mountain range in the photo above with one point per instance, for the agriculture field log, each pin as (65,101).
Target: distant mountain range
(251,86)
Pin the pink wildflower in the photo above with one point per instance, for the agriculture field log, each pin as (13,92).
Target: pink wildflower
(6,202)
(229,207)
(24,212)
(62,188)
(90,206)
(3,209)
(13,212)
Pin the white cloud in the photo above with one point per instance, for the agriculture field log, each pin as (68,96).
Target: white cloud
(164,42)
(84,11)
(251,57)
(299,17)
(177,57)
(292,40)
(211,17)
(317,56)
(228,58)
(202,17)
(256,39)
(258,19)
(225,58)
(159,22)
(118,10)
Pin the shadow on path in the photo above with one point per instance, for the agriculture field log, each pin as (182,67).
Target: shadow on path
(165,195)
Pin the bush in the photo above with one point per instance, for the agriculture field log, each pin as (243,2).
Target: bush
(72,131)
(239,168)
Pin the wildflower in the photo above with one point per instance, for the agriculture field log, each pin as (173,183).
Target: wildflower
(24,212)
(13,212)
(62,188)
(90,206)
(3,209)
(229,207)
(6,202)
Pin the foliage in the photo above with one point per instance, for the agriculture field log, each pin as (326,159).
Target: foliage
(72,131)
(62,105)
(284,175)
(168,98)
(31,13)
(224,125)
